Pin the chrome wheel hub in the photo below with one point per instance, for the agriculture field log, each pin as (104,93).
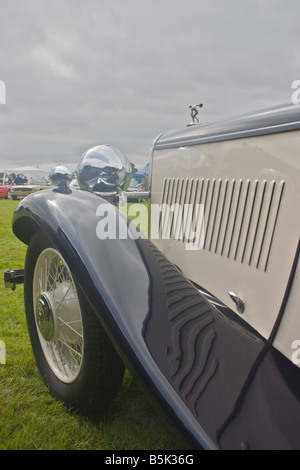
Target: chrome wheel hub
(58,315)
(44,317)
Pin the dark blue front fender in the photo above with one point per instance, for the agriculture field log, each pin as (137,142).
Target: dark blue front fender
(114,277)
(202,365)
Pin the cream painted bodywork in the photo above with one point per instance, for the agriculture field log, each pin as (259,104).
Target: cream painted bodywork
(288,337)
(250,250)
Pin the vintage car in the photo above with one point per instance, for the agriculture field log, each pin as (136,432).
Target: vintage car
(136,192)
(20,191)
(4,191)
(204,309)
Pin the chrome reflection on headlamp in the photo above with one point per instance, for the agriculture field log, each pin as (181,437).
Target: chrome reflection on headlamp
(61,177)
(104,169)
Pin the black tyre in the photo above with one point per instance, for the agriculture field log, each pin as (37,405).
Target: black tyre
(73,353)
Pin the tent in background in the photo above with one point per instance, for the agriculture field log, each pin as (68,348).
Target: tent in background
(25,170)
(140,174)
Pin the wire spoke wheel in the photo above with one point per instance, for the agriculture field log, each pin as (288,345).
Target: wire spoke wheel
(74,355)
(58,315)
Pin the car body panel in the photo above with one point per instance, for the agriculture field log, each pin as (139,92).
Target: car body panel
(4,190)
(268,121)
(21,191)
(287,339)
(250,191)
(199,362)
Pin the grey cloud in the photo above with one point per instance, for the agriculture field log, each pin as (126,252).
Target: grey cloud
(80,73)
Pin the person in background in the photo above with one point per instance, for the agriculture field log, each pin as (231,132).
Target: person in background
(145,182)
(18,179)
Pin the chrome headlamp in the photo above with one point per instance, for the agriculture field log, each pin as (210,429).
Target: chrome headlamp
(61,177)
(104,169)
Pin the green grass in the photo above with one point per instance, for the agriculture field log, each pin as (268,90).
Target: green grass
(29,417)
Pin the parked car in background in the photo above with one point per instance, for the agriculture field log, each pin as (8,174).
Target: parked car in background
(205,311)
(136,192)
(23,190)
(4,191)
(74,184)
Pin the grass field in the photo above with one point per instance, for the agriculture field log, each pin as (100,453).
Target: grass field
(29,417)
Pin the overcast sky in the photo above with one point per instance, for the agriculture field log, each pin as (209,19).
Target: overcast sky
(85,72)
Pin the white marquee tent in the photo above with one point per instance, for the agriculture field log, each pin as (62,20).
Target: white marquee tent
(28,171)
(25,169)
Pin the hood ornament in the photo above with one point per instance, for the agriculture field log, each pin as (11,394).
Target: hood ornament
(194,113)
